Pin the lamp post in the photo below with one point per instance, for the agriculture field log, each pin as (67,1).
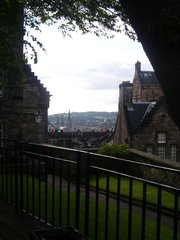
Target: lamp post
(38,119)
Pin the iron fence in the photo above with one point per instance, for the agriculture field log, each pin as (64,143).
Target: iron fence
(103,197)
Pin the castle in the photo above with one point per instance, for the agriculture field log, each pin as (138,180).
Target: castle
(143,121)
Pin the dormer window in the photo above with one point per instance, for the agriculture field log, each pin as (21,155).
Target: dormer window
(161,138)
(145,74)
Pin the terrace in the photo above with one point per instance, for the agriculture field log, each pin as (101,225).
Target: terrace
(103,197)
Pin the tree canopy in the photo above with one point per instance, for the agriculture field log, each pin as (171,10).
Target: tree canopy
(156,23)
(96,16)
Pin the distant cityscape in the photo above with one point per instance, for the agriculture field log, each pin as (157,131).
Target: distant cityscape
(82,121)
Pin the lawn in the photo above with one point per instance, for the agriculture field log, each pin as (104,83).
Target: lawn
(151,191)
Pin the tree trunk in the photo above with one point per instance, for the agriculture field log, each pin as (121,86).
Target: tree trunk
(157,25)
(11,65)
(11,33)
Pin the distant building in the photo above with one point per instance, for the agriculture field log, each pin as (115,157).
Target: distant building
(69,123)
(65,125)
(143,121)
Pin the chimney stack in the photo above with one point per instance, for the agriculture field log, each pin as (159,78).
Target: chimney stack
(138,66)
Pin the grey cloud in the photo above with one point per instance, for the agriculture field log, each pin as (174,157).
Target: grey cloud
(107,76)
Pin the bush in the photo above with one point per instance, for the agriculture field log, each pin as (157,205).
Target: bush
(120,151)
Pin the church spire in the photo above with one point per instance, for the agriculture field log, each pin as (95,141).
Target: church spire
(69,122)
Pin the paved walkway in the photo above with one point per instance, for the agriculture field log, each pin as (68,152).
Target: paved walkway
(13,227)
(166,218)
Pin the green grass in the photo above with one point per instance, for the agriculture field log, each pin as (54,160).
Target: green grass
(166,232)
(151,192)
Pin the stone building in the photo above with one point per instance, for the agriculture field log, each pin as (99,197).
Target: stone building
(143,121)
(21,93)
(19,104)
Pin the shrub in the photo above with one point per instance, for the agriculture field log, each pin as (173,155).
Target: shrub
(120,151)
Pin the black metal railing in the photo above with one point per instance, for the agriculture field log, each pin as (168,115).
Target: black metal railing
(104,197)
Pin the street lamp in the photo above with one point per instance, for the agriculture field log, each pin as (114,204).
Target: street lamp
(38,116)
(38,119)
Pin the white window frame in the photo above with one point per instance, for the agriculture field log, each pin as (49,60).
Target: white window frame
(149,149)
(173,152)
(161,138)
(161,151)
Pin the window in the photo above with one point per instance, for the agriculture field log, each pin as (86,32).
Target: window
(149,149)
(161,151)
(161,138)
(1,130)
(1,92)
(145,74)
(173,152)
(1,133)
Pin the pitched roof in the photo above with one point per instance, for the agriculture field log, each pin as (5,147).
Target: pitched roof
(148,77)
(137,114)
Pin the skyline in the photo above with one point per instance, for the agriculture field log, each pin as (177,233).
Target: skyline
(83,72)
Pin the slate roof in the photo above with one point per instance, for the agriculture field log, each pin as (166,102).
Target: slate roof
(138,113)
(148,77)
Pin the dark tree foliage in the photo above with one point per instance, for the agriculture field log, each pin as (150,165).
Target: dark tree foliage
(156,23)
(99,17)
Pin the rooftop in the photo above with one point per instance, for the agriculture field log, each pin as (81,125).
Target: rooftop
(136,114)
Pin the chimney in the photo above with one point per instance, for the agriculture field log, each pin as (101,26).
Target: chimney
(138,66)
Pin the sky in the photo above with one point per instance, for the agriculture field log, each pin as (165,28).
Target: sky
(83,72)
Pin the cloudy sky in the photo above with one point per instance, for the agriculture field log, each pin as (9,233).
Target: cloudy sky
(83,72)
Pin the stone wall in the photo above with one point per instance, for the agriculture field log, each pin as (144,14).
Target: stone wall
(36,98)
(161,176)
(145,93)
(161,122)
(18,105)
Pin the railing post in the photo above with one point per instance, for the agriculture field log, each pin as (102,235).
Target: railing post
(107,207)
(60,193)
(158,228)
(175,228)
(46,193)
(68,192)
(130,209)
(143,228)
(53,192)
(118,207)
(16,176)
(87,171)
(21,176)
(97,206)
(39,189)
(2,170)
(78,160)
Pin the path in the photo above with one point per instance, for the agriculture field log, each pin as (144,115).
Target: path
(166,218)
